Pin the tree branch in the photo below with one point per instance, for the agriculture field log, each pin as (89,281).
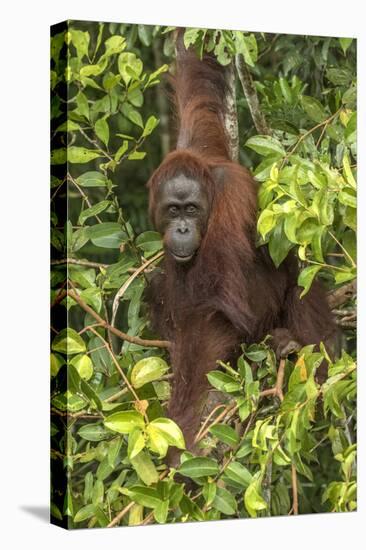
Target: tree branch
(76,261)
(251,96)
(341,295)
(119,333)
(231,115)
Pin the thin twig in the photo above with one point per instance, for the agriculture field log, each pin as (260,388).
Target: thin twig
(85,329)
(127,283)
(76,261)
(118,367)
(85,197)
(209,417)
(345,252)
(95,144)
(307,133)
(121,514)
(229,410)
(116,395)
(119,333)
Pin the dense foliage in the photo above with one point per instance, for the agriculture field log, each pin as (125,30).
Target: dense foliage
(277,441)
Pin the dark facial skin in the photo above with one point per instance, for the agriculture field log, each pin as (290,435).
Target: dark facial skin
(181,216)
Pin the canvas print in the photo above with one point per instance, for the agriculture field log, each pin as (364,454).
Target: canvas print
(203,274)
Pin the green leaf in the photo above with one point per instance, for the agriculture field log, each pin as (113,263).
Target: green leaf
(68,508)
(345,43)
(317,244)
(157,442)
(190,36)
(107,235)
(280,457)
(136,97)
(93,211)
(56,363)
(114,44)
(82,105)
(150,242)
(132,115)
(145,468)
(148,369)
(113,452)
(145,33)
(266,222)
(266,145)
(81,155)
(350,132)
(57,42)
(136,515)
(226,434)
(348,172)
(68,341)
(219,379)
(340,76)
(285,89)
(83,365)
(199,467)
(84,513)
(136,155)
(313,108)
(238,473)
(349,242)
(59,156)
(93,70)
(121,151)
(279,245)
(102,130)
(128,65)
(322,205)
(209,492)
(262,173)
(224,502)
(350,217)
(92,179)
(98,493)
(146,496)
(161,511)
(348,197)
(255,353)
(93,297)
(341,277)
(170,430)
(83,276)
(93,432)
(306,278)
(153,76)
(150,125)
(124,421)
(111,80)
(221,50)
(252,499)
(55,512)
(136,442)
(247,46)
(68,126)
(81,41)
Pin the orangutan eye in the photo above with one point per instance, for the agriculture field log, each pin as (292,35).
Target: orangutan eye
(173,210)
(191,209)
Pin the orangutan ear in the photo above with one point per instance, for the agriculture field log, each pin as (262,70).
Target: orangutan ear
(218,173)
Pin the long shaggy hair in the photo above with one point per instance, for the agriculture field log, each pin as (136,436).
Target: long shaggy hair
(232,292)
